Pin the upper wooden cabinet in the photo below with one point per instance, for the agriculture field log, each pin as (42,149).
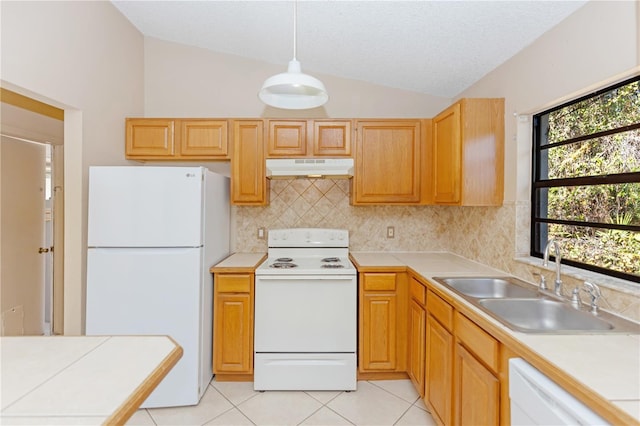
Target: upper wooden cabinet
(309,138)
(249,185)
(176,139)
(468,153)
(389,161)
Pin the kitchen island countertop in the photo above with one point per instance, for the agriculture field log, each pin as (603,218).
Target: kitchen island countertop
(606,364)
(85,380)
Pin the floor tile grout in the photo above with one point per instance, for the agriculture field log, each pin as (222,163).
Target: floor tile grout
(243,392)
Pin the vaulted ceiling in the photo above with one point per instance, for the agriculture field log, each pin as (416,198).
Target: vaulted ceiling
(433,47)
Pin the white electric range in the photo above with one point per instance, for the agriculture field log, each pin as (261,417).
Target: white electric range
(306,312)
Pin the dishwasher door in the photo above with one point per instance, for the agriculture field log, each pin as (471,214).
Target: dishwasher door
(537,400)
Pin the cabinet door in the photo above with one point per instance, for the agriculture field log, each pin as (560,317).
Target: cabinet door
(149,138)
(447,156)
(439,370)
(378,327)
(332,138)
(203,139)
(249,185)
(477,391)
(387,163)
(417,336)
(287,138)
(233,334)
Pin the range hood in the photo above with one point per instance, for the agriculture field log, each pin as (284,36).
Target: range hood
(310,168)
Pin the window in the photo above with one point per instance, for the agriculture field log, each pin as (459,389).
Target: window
(586,181)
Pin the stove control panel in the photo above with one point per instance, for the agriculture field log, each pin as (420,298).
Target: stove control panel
(308,237)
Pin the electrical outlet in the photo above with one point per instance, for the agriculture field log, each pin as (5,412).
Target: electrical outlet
(391,231)
(261,233)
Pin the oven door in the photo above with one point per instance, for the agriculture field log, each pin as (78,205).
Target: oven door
(297,313)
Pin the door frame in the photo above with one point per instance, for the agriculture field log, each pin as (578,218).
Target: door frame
(58,202)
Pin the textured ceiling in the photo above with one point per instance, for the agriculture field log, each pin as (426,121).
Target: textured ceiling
(434,47)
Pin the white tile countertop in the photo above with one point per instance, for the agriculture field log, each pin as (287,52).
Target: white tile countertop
(607,364)
(80,379)
(239,261)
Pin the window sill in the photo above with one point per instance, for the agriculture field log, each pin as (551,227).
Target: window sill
(616,284)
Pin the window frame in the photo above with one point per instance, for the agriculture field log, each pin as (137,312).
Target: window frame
(540,148)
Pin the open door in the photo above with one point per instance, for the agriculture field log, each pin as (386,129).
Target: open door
(23,250)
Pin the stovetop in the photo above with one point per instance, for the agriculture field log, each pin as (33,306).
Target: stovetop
(306,265)
(307,251)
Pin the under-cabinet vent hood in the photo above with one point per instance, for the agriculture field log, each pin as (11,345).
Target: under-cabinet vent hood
(310,168)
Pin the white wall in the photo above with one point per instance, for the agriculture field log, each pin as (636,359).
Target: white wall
(193,82)
(596,43)
(86,58)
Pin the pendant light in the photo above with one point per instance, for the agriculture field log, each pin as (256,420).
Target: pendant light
(293,89)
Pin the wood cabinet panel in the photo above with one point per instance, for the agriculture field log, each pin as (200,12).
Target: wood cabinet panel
(176,139)
(446,156)
(332,138)
(149,137)
(439,370)
(468,153)
(249,185)
(388,162)
(233,324)
(378,328)
(477,391)
(440,310)
(417,291)
(234,283)
(417,339)
(233,334)
(204,138)
(287,138)
(379,281)
(485,347)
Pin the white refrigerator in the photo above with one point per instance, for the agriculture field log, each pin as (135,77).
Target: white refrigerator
(153,234)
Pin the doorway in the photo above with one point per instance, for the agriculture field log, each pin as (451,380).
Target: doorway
(31,200)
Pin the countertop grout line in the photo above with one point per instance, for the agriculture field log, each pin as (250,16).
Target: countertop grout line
(57,373)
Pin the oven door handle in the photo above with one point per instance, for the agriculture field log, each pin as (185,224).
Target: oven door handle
(305,277)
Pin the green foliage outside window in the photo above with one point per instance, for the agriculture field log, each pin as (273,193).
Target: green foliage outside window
(596,137)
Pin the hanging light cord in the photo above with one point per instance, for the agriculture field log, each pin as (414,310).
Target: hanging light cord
(295,28)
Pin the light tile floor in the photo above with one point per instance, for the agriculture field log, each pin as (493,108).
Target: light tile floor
(381,402)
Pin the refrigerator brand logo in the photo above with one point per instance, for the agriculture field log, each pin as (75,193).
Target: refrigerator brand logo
(191,175)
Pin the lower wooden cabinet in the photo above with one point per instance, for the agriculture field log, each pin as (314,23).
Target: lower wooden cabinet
(233,325)
(382,315)
(477,391)
(439,371)
(378,316)
(417,334)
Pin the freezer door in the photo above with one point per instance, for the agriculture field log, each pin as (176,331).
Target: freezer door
(150,292)
(145,206)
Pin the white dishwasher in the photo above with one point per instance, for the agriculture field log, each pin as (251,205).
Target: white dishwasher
(537,400)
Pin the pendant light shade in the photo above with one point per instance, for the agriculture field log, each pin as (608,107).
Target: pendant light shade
(293,89)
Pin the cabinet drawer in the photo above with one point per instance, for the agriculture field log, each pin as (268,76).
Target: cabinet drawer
(233,283)
(440,310)
(418,291)
(379,282)
(477,341)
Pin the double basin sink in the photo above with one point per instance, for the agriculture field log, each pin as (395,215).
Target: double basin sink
(522,308)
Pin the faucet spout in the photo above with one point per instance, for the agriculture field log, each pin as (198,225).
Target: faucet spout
(557,288)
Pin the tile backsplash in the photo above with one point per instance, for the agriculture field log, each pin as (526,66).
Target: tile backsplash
(494,236)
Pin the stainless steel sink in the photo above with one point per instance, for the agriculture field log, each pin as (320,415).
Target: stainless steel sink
(489,287)
(543,316)
(521,307)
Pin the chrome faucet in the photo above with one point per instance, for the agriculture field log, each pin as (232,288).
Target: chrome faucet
(594,292)
(557,287)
